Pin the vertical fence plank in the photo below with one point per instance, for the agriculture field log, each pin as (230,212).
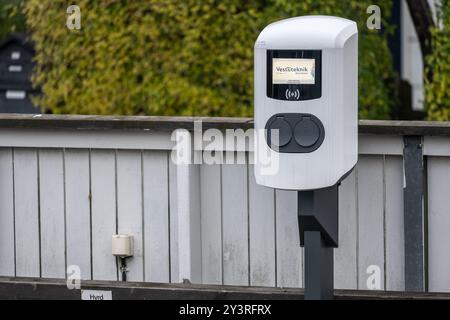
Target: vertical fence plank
(51,193)
(345,256)
(289,252)
(156,216)
(188,219)
(370,216)
(235,225)
(103,188)
(262,233)
(395,243)
(26,213)
(129,201)
(78,216)
(211,225)
(7,263)
(195,223)
(173,216)
(438,224)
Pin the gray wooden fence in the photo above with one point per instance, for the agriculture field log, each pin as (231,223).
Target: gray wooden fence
(68,183)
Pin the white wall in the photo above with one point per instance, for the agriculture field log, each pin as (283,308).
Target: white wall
(62,199)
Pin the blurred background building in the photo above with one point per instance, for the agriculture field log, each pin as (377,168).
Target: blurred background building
(16,65)
(409,62)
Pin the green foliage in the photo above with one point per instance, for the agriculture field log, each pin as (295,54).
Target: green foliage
(185,57)
(11,17)
(437,84)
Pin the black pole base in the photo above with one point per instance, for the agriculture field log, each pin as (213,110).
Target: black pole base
(319,274)
(318,227)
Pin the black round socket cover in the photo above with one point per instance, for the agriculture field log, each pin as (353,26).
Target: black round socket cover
(284,132)
(306,132)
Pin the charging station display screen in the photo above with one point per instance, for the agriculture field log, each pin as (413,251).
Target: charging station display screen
(293,71)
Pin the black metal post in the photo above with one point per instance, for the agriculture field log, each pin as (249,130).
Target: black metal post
(318,227)
(319,268)
(414,215)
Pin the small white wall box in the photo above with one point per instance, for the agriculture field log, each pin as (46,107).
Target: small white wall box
(122,245)
(306,87)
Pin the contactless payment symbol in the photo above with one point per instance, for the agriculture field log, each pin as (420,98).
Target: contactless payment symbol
(292,94)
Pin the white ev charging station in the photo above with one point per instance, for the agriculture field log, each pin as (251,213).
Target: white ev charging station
(306,98)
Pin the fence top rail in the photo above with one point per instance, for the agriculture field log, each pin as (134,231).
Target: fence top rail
(166,123)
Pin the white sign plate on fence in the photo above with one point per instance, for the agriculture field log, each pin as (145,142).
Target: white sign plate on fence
(96,295)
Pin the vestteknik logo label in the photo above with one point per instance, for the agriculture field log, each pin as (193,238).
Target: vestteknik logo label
(292,69)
